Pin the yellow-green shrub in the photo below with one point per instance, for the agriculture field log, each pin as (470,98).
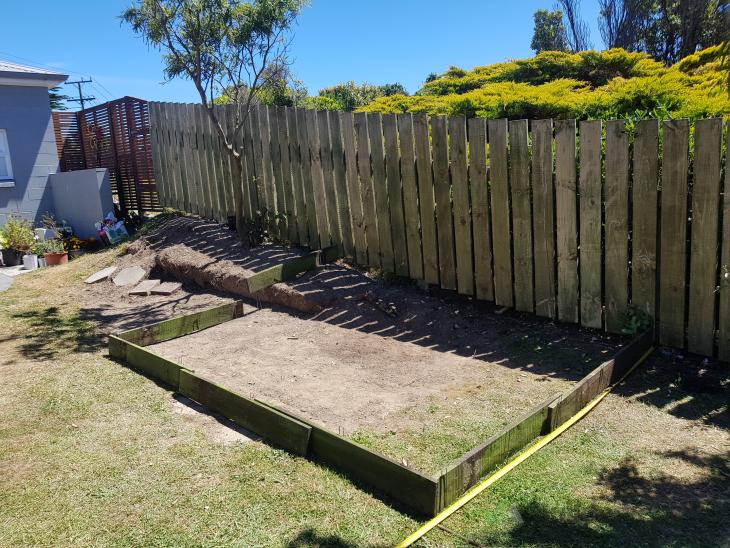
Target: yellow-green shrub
(608,84)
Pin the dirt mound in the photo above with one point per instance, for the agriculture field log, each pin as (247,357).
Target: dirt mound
(188,265)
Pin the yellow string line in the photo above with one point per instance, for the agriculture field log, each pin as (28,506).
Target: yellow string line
(519,459)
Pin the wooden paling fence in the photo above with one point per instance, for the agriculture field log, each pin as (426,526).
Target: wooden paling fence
(587,222)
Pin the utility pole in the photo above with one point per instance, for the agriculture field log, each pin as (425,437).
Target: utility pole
(82,99)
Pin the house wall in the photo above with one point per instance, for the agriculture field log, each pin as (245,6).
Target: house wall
(25,114)
(82,198)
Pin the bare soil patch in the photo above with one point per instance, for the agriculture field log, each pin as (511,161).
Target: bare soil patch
(420,377)
(116,310)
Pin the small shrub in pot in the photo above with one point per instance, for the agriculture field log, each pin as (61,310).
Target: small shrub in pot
(18,237)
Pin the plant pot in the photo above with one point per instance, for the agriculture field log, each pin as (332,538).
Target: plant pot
(75,253)
(12,257)
(42,262)
(30,262)
(54,259)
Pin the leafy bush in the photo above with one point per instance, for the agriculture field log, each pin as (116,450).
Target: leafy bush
(349,95)
(590,84)
(17,234)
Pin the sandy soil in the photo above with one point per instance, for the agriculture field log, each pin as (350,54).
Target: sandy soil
(390,365)
(341,378)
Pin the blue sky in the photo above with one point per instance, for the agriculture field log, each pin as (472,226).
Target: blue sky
(378,41)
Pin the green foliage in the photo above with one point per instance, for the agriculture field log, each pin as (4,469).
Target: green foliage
(57,99)
(635,320)
(53,245)
(278,88)
(209,40)
(668,30)
(17,234)
(585,85)
(593,67)
(549,34)
(258,229)
(350,96)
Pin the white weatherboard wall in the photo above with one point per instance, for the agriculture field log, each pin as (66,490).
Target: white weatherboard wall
(82,198)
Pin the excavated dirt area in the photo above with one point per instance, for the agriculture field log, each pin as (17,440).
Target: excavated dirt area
(189,239)
(420,377)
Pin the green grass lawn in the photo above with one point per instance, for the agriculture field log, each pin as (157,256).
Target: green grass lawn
(92,453)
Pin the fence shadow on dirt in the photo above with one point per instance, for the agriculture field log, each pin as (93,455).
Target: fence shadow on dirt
(450,323)
(216,241)
(669,381)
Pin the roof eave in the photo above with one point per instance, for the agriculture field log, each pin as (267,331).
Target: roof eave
(48,81)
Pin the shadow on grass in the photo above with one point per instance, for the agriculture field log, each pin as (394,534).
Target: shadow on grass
(310,538)
(653,511)
(51,333)
(663,383)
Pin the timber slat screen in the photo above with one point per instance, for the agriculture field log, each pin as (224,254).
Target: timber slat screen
(114,135)
(586,222)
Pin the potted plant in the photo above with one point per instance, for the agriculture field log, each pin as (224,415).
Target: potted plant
(54,252)
(17,237)
(30,259)
(74,246)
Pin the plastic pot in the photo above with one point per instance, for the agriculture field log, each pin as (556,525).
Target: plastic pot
(12,257)
(30,262)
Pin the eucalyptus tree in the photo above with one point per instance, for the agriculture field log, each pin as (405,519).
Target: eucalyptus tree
(234,46)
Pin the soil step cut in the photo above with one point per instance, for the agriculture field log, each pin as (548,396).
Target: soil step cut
(145,287)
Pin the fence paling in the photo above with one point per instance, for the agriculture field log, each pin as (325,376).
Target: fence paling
(482,229)
(542,219)
(521,215)
(591,303)
(567,228)
(499,187)
(560,221)
(705,218)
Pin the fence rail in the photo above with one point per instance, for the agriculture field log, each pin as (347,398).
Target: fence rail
(584,222)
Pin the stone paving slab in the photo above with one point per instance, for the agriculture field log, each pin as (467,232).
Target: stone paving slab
(130,276)
(145,287)
(100,275)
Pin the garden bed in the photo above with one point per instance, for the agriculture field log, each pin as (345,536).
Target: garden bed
(419,405)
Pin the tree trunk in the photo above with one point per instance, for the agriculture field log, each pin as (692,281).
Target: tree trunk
(241,228)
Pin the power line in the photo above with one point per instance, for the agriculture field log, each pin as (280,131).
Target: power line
(100,90)
(95,86)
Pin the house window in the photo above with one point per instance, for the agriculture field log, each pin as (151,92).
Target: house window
(6,169)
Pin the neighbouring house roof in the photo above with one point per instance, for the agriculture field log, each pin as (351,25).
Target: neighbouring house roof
(13,74)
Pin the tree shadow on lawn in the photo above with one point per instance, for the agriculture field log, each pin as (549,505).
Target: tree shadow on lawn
(310,538)
(51,333)
(659,511)
(662,382)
